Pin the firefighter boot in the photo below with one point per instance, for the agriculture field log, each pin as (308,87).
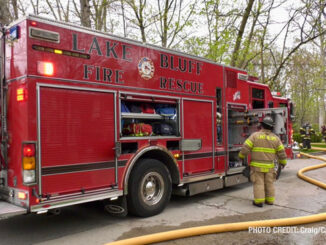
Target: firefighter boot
(260,205)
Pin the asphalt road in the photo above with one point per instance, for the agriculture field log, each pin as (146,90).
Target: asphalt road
(89,224)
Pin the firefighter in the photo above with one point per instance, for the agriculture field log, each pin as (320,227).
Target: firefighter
(306,131)
(265,147)
(323,132)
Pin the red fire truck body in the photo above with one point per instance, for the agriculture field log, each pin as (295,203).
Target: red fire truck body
(74,127)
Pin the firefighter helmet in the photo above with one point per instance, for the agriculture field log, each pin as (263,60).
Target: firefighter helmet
(268,121)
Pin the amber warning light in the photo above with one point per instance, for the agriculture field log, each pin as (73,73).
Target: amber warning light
(45,68)
(21,94)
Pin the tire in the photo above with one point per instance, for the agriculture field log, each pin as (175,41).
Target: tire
(278,169)
(149,188)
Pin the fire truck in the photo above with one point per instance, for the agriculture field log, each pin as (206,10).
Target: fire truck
(88,116)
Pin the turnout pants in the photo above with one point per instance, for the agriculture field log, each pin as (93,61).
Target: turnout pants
(264,190)
(306,143)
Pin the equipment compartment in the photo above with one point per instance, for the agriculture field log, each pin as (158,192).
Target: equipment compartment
(145,117)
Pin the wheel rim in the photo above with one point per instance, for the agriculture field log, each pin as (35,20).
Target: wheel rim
(152,188)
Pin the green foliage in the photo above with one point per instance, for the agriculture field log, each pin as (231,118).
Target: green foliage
(314,138)
(297,137)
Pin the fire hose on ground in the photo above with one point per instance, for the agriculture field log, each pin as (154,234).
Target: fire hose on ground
(240,226)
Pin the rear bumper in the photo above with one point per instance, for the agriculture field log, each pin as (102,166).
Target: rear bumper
(8,210)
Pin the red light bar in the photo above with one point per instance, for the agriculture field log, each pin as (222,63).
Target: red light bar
(45,68)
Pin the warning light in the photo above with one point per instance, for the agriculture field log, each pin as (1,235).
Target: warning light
(58,51)
(21,94)
(14,33)
(33,23)
(22,195)
(176,156)
(45,68)
(29,150)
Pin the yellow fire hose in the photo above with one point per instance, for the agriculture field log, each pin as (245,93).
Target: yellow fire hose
(240,226)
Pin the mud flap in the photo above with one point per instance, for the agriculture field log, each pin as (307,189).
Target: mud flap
(117,208)
(8,210)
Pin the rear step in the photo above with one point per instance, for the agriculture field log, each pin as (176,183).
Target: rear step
(8,210)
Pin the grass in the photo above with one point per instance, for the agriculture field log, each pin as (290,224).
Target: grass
(308,151)
(321,145)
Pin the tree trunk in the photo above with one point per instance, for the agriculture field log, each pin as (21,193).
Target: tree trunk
(85,13)
(4,12)
(245,18)
(323,80)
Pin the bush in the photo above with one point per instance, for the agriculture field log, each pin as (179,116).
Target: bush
(314,138)
(318,137)
(297,137)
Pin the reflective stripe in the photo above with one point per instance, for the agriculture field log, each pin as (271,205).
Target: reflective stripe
(241,155)
(249,143)
(264,170)
(262,165)
(283,161)
(263,149)
(281,147)
(270,199)
(259,200)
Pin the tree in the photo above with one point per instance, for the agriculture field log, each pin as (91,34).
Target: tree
(58,10)
(174,17)
(304,86)
(244,21)
(139,12)
(5,16)
(83,12)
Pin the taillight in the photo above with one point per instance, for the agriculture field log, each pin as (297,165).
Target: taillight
(29,163)
(45,68)
(29,150)
(21,94)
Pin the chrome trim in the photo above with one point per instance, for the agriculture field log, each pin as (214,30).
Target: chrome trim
(36,150)
(148,137)
(213,133)
(82,198)
(148,95)
(115,138)
(199,100)
(17,78)
(38,109)
(201,177)
(138,155)
(236,170)
(75,88)
(40,38)
(183,136)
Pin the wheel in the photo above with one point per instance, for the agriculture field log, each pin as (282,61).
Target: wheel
(149,188)
(277,169)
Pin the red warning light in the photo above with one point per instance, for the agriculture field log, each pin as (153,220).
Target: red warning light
(45,68)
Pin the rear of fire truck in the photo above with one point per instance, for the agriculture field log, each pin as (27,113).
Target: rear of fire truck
(14,197)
